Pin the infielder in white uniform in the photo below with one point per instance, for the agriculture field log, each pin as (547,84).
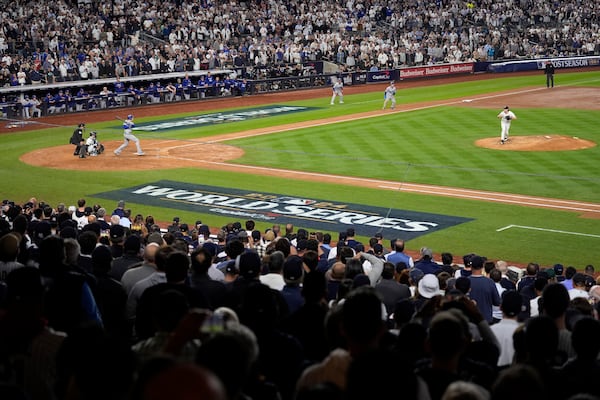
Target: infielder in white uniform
(128,136)
(389,95)
(506,116)
(338,90)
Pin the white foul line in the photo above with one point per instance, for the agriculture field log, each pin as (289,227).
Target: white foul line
(546,230)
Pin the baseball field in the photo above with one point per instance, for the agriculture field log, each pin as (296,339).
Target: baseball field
(535,198)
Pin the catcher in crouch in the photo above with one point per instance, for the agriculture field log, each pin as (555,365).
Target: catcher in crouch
(506,116)
(94,148)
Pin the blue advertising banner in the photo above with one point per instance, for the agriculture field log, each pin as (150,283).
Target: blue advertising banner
(310,213)
(559,63)
(382,76)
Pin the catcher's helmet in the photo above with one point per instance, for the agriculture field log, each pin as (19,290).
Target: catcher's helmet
(130,116)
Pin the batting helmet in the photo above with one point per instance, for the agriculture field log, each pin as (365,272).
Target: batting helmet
(130,116)
(93,133)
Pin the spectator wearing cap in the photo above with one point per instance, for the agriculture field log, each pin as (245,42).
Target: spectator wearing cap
(185,235)
(233,248)
(426,263)
(559,270)
(579,289)
(465,271)
(390,290)
(589,270)
(293,274)
(301,246)
(483,289)
(130,259)
(274,276)
(249,266)
(174,227)
(397,254)
(427,287)
(511,306)
(414,276)
(202,261)
(231,273)
(117,238)
(528,292)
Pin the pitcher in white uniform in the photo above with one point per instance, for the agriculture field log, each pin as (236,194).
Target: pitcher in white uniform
(506,116)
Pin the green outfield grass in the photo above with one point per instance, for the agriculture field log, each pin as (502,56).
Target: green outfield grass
(434,145)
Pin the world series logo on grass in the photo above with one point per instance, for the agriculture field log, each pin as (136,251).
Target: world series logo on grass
(311,213)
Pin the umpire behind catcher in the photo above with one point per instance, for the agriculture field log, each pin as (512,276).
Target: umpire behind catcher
(78,141)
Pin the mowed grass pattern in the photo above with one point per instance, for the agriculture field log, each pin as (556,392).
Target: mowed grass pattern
(436,146)
(433,145)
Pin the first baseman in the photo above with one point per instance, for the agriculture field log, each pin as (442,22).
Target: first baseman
(506,116)
(390,95)
(127,126)
(338,90)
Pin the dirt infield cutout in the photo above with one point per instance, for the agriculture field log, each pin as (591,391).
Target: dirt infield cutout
(549,142)
(160,154)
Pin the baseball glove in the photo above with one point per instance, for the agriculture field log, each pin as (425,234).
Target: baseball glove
(508,118)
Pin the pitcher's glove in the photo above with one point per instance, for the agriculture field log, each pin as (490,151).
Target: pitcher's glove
(508,118)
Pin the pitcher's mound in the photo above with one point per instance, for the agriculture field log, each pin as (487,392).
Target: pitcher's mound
(537,143)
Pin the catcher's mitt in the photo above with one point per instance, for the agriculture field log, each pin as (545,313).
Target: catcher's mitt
(508,118)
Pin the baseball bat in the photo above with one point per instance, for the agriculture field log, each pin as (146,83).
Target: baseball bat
(119,118)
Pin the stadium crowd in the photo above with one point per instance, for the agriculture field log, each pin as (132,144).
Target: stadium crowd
(45,43)
(98,303)
(57,41)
